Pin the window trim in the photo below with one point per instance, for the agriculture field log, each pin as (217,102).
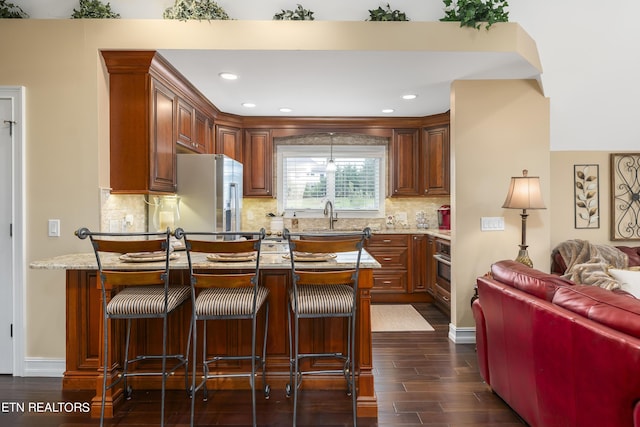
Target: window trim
(374,151)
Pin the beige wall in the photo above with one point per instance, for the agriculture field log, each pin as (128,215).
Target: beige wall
(67,132)
(498,128)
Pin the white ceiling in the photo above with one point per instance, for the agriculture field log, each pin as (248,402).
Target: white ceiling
(340,83)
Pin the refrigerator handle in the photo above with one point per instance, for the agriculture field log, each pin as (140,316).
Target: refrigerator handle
(236,204)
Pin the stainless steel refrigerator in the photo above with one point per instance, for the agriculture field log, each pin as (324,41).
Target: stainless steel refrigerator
(210,190)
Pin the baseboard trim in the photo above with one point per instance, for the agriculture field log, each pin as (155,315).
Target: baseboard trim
(43,367)
(462,335)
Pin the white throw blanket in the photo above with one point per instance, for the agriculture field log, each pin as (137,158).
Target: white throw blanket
(588,263)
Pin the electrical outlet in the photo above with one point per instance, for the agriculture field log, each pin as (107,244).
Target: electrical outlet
(54,228)
(492,223)
(115,226)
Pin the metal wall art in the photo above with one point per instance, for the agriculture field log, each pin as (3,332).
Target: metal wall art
(625,196)
(586,181)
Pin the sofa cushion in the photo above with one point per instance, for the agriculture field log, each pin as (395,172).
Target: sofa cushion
(629,280)
(632,253)
(615,310)
(529,280)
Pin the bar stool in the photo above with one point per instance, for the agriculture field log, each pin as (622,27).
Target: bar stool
(221,295)
(320,290)
(141,293)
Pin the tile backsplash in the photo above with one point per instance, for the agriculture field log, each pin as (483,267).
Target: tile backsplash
(117,207)
(255,214)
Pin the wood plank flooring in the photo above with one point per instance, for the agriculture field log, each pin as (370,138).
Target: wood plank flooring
(421,379)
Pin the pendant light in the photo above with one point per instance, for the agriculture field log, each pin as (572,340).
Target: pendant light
(331,165)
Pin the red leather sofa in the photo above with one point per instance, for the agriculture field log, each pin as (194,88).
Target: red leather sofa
(558,353)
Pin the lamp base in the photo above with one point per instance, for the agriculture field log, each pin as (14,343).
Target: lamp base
(523,257)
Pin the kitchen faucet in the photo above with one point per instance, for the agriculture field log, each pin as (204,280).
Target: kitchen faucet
(328,209)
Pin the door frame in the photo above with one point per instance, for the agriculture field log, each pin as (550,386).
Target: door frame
(17,95)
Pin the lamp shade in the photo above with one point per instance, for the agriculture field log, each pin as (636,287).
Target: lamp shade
(524,193)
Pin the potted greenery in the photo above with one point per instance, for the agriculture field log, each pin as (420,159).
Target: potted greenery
(300,14)
(195,9)
(94,9)
(10,10)
(387,14)
(472,13)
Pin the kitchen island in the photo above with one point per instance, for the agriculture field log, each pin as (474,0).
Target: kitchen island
(84,327)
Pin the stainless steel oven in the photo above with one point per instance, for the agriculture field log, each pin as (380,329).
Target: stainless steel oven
(443,264)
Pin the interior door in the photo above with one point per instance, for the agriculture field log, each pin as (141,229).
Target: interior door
(6,224)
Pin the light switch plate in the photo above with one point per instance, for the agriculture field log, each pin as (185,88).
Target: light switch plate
(492,223)
(54,228)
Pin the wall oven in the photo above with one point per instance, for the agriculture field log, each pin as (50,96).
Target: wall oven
(442,258)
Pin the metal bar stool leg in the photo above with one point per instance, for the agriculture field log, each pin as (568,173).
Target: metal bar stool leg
(264,354)
(105,358)
(297,378)
(164,368)
(193,369)
(125,368)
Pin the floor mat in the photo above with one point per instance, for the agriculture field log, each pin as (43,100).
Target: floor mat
(397,318)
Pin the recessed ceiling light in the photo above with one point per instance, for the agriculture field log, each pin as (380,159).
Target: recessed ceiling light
(409,96)
(248,104)
(285,110)
(228,76)
(388,110)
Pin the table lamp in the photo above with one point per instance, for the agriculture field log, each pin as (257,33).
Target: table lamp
(524,193)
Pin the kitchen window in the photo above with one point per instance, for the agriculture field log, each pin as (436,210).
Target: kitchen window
(356,187)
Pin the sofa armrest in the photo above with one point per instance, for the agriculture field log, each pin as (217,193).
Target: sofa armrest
(481,340)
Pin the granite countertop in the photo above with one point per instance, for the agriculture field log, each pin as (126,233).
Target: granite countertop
(268,260)
(443,234)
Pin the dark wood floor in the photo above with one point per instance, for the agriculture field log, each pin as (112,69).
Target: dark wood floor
(421,379)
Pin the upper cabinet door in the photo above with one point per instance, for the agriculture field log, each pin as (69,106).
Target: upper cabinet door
(405,163)
(185,121)
(229,141)
(436,160)
(258,163)
(201,133)
(162,155)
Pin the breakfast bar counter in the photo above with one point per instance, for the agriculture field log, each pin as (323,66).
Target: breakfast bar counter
(84,326)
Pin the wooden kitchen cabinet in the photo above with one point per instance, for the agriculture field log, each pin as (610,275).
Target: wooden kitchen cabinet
(229,141)
(419,263)
(142,126)
(193,128)
(185,122)
(202,131)
(405,163)
(392,252)
(419,164)
(395,281)
(257,152)
(435,156)
(153,110)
